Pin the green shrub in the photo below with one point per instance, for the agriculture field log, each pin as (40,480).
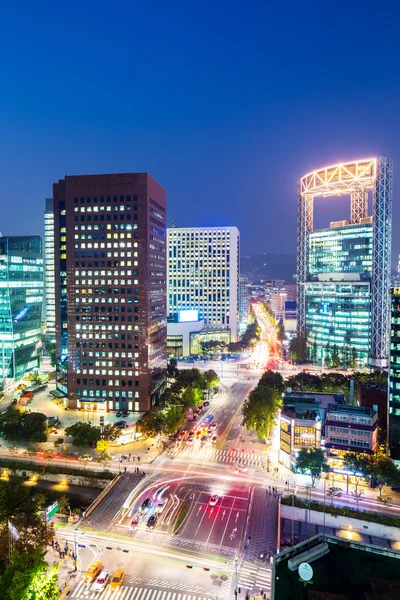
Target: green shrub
(344,511)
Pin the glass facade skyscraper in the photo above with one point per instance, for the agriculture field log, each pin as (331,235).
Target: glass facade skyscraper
(394,375)
(350,262)
(338,293)
(50,299)
(21,298)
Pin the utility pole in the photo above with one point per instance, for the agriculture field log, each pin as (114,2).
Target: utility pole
(76,549)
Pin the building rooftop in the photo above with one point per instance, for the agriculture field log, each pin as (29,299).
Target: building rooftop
(351,409)
(340,569)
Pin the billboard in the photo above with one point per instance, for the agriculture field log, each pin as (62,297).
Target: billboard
(186,316)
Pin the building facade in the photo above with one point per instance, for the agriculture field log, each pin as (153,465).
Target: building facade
(49,284)
(394,375)
(21,299)
(110,278)
(350,261)
(203,275)
(243,301)
(351,429)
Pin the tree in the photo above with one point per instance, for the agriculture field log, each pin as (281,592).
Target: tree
(172,370)
(384,472)
(357,464)
(50,348)
(235,347)
(314,351)
(151,423)
(298,351)
(357,495)
(111,432)
(173,417)
(29,578)
(83,434)
(18,425)
(261,410)
(191,397)
(354,358)
(334,492)
(34,377)
(328,355)
(58,442)
(280,331)
(312,461)
(274,380)
(211,379)
(102,446)
(335,357)
(63,504)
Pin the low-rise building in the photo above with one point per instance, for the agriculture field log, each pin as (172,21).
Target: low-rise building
(351,429)
(302,424)
(179,331)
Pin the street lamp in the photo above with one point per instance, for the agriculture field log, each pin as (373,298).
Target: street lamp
(76,549)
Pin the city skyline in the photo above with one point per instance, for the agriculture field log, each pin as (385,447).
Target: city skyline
(252,140)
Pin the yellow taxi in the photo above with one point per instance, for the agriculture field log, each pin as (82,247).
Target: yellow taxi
(117,579)
(93,571)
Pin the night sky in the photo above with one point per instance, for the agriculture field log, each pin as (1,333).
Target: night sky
(226,104)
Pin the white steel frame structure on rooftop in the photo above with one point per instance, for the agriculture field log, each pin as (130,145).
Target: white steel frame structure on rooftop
(356,179)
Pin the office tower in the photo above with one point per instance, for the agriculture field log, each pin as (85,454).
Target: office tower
(343,272)
(110,275)
(243,300)
(49,287)
(21,298)
(203,274)
(394,375)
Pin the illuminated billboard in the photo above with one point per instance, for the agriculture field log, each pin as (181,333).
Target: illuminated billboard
(186,316)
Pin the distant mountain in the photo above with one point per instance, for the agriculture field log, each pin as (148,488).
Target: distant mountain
(269,266)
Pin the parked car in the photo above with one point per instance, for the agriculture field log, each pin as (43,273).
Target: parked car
(125,414)
(121,424)
(206,403)
(119,413)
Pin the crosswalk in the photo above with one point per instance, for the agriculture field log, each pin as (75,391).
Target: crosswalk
(226,456)
(253,577)
(84,592)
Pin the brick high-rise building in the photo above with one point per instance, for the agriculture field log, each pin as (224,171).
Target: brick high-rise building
(110,281)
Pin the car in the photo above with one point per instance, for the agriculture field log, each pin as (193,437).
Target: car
(121,424)
(85,457)
(135,521)
(93,571)
(119,413)
(194,417)
(117,579)
(101,581)
(151,522)
(203,439)
(213,501)
(206,403)
(395,489)
(214,425)
(214,439)
(240,468)
(146,504)
(160,506)
(125,414)
(198,433)
(190,440)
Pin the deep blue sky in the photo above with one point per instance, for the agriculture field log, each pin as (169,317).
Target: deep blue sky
(226,104)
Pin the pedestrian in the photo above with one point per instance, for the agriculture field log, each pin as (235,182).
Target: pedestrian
(138,458)
(129,456)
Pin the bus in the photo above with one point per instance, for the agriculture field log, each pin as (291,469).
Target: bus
(208,419)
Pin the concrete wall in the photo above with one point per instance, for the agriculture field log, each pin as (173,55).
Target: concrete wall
(92,482)
(317,518)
